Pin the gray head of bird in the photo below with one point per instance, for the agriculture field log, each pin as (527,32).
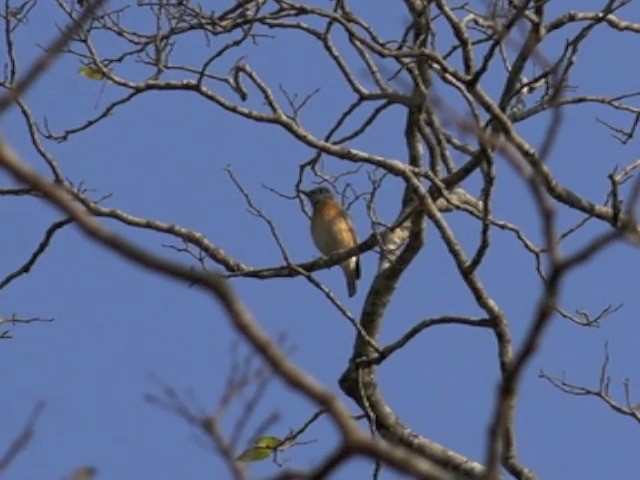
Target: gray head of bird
(318,194)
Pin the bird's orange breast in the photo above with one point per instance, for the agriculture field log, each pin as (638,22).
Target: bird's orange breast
(331,229)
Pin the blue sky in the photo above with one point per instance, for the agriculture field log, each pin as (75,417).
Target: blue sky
(163,157)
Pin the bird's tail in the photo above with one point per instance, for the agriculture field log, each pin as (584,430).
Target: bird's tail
(351,270)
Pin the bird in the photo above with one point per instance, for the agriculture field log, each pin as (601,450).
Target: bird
(332,231)
(83,473)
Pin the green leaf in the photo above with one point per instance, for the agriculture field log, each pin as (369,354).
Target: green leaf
(263,448)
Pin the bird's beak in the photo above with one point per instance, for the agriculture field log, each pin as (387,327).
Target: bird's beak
(306,193)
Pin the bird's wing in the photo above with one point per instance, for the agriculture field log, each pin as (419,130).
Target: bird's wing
(354,236)
(354,241)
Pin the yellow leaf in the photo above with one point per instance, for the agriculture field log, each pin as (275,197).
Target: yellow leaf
(92,72)
(263,448)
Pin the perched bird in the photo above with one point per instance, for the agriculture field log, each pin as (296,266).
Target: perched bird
(332,231)
(83,473)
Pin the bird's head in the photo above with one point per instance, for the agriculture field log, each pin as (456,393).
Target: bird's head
(318,194)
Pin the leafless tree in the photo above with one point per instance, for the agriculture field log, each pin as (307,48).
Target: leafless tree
(464,75)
